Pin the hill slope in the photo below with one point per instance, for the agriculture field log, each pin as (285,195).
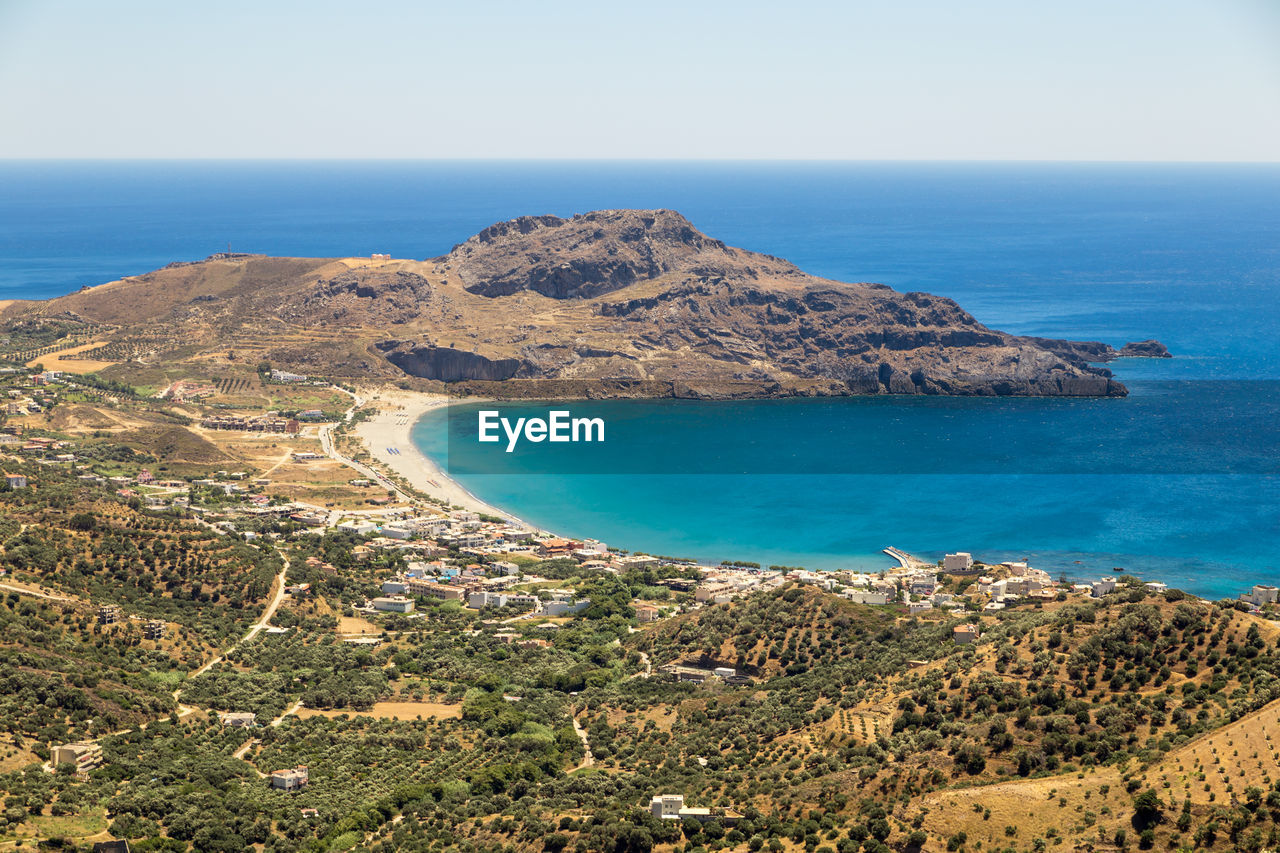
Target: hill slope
(857,710)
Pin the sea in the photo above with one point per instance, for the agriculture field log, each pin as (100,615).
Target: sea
(1177,482)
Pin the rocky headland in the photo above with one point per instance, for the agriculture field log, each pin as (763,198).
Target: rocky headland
(608,303)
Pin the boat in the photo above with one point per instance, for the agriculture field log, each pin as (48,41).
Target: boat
(1117,568)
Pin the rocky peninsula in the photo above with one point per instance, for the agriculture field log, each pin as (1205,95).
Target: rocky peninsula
(613,303)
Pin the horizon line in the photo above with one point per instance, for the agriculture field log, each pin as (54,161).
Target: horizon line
(653,160)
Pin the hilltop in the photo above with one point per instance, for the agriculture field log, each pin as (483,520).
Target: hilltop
(608,303)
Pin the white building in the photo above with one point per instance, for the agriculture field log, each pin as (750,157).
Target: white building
(565,608)
(85,756)
(1022,585)
(429,525)
(464,539)
(637,561)
(393,604)
(672,807)
(709,591)
(958,563)
(867,596)
(515,534)
(358,527)
(1262,594)
(921,583)
(1103,587)
(667,806)
(290,780)
(481,600)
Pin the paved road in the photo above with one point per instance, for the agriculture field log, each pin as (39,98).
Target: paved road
(288,712)
(245,747)
(327,445)
(244,750)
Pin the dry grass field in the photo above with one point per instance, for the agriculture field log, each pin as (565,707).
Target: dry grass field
(66,361)
(393,711)
(1218,767)
(15,757)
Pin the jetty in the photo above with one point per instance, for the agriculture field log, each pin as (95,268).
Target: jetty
(904,559)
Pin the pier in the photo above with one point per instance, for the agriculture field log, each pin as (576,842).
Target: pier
(904,559)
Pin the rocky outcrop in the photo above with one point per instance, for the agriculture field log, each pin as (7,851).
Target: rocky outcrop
(446,364)
(1084,352)
(591,254)
(361,296)
(1144,349)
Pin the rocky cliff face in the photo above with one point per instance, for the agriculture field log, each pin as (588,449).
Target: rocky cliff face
(446,364)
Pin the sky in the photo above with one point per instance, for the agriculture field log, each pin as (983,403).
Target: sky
(1140,80)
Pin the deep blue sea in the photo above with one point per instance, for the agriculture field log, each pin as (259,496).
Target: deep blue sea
(1177,482)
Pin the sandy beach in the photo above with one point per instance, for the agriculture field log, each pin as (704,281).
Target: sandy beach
(390,430)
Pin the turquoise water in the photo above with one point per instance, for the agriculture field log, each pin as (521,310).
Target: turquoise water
(1186,254)
(828,483)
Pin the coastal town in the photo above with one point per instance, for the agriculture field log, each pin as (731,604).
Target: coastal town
(475,554)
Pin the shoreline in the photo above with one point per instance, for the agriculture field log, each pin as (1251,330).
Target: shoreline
(399,411)
(392,429)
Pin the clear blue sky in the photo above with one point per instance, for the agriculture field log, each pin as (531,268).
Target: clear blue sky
(861,79)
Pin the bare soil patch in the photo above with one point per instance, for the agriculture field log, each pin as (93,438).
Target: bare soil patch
(356,625)
(392,711)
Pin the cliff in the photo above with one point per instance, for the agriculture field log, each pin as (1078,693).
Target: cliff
(614,302)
